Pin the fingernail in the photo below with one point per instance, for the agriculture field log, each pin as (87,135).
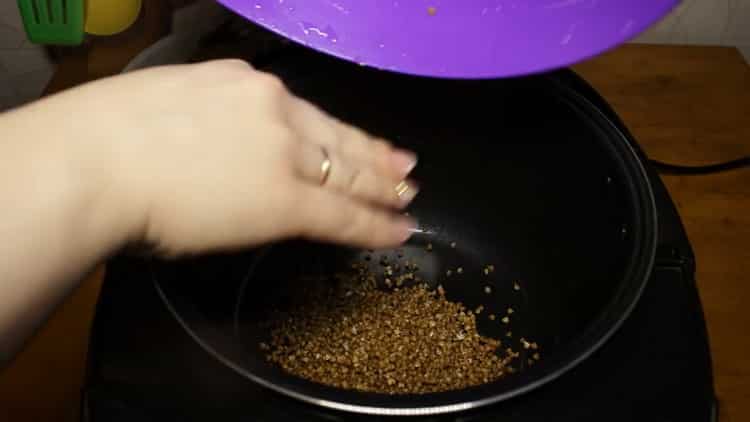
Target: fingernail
(407,190)
(403,161)
(404,228)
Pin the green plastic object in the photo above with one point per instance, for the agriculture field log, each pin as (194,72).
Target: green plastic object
(53,22)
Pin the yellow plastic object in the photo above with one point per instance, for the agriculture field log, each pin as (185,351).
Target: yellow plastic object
(109,17)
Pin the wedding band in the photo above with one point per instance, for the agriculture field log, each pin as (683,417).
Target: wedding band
(325,167)
(402,188)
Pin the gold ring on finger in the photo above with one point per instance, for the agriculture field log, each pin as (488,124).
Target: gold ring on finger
(325,167)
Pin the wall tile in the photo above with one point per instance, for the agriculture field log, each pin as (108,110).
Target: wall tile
(9,14)
(703,22)
(745,50)
(24,60)
(10,37)
(738,29)
(8,96)
(29,86)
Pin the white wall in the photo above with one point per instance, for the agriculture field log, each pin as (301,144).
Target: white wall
(705,22)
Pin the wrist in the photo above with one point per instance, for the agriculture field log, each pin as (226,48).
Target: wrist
(74,166)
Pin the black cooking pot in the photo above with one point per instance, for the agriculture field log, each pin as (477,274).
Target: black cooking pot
(524,174)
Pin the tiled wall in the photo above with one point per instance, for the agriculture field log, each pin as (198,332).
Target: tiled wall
(25,70)
(706,22)
(24,67)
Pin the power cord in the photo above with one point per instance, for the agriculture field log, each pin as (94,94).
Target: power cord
(667,168)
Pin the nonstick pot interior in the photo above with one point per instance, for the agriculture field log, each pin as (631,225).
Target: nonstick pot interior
(522,174)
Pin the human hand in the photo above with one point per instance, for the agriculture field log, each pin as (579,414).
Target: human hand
(217,155)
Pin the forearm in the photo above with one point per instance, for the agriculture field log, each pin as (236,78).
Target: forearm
(180,158)
(59,218)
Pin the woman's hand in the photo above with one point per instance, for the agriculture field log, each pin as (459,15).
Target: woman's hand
(218,155)
(189,158)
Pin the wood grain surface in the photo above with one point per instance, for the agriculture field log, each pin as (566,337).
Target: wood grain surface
(691,105)
(688,105)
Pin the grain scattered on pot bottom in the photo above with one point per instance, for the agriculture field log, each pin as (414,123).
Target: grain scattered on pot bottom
(354,335)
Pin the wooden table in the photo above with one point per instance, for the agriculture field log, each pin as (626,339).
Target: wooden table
(691,105)
(686,105)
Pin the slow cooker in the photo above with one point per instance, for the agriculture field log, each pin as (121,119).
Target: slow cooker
(535,174)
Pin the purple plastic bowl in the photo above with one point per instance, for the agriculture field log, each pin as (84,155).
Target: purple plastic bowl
(457,38)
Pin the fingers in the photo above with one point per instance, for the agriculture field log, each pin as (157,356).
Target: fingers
(317,127)
(386,159)
(359,180)
(328,216)
(366,168)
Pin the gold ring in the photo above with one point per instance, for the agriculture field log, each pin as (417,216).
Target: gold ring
(325,167)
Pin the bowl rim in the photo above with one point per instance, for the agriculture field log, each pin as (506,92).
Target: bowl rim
(632,285)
